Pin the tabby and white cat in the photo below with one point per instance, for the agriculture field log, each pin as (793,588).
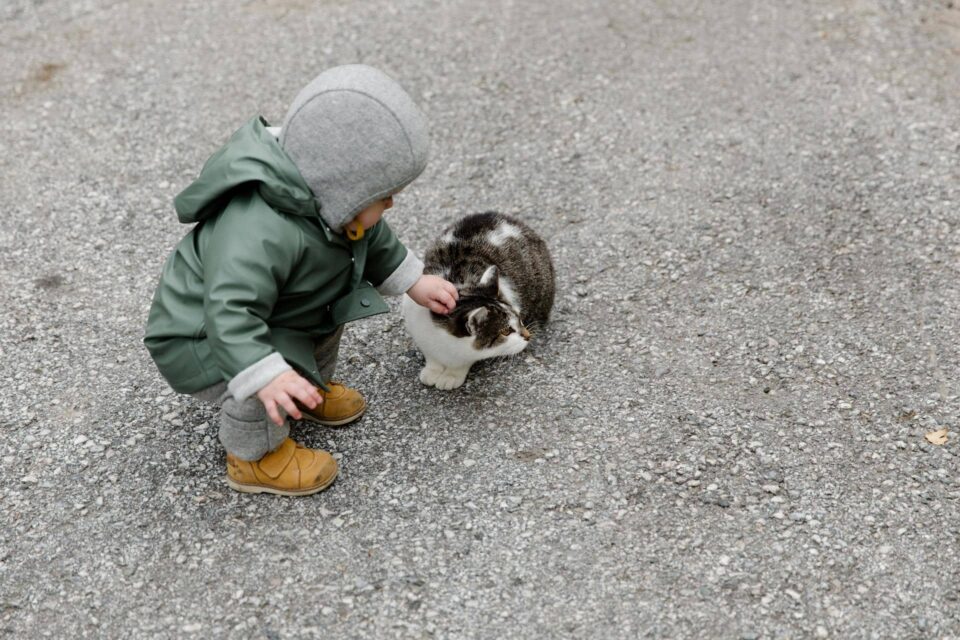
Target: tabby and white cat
(505,277)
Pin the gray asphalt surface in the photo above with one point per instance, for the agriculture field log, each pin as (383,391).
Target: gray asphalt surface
(753,210)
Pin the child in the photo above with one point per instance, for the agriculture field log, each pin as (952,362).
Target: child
(289,246)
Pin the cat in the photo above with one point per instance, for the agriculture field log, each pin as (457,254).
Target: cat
(505,278)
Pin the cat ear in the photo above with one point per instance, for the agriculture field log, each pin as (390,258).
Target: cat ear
(475,318)
(490,281)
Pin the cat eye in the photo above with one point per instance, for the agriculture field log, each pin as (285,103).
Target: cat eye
(506,331)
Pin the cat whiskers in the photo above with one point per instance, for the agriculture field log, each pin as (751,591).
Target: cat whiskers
(511,359)
(533,328)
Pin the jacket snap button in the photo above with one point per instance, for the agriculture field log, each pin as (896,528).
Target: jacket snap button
(364,302)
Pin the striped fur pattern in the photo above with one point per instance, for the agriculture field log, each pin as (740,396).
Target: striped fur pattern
(505,277)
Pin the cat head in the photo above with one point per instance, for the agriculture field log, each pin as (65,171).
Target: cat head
(484,316)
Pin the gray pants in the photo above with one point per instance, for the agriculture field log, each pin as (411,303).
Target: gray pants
(245,429)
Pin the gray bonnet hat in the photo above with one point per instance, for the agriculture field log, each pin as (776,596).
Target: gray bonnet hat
(356,137)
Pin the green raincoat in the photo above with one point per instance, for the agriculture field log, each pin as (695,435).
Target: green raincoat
(261,272)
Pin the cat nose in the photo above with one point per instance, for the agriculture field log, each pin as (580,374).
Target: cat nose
(524,333)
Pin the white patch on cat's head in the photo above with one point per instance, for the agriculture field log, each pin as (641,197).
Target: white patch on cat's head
(489,276)
(448,238)
(508,294)
(503,233)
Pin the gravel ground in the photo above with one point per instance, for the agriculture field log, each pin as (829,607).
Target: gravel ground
(752,207)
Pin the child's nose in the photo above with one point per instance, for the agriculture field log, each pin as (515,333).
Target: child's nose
(388,202)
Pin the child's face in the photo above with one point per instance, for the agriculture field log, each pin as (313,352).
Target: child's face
(372,214)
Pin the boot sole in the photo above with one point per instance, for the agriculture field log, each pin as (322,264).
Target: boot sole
(257,488)
(334,423)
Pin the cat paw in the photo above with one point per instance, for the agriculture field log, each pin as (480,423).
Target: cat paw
(428,375)
(442,378)
(450,379)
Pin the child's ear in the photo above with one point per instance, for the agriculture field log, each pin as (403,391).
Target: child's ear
(475,318)
(490,282)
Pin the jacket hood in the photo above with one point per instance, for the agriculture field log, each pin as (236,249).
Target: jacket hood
(356,137)
(252,155)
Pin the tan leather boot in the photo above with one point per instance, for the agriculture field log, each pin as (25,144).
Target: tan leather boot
(290,470)
(341,405)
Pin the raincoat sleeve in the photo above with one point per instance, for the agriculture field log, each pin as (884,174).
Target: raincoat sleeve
(246,264)
(390,266)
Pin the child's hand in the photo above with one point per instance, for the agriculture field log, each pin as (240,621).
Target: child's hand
(435,293)
(281,392)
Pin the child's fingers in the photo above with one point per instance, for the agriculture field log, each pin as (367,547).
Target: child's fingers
(271,408)
(451,289)
(444,298)
(307,394)
(313,392)
(285,401)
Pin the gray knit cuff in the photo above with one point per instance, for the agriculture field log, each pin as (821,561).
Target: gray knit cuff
(403,277)
(257,376)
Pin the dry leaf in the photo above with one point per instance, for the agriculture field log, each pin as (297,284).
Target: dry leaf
(937,437)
